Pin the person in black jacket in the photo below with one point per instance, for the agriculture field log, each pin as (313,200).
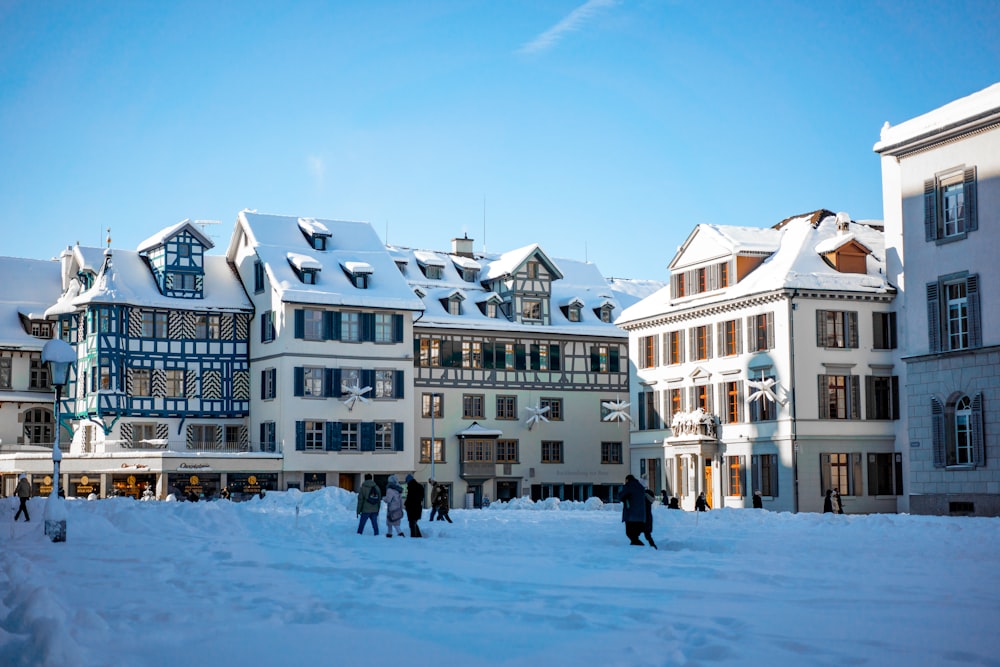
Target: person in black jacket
(701,504)
(758,501)
(633,500)
(414,504)
(828,501)
(647,529)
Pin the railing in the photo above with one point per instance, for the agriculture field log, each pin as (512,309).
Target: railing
(33,446)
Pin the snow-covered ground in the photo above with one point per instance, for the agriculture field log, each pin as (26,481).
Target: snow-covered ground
(285,580)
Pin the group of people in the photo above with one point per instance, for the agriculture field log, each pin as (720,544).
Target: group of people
(832,502)
(370,499)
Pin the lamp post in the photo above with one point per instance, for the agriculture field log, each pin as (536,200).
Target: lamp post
(59,356)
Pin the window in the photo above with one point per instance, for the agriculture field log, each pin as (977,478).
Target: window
(472,354)
(203,436)
(953,313)
(882,394)
(885,474)
(675,404)
(701,397)
(430,352)
(350,440)
(724,274)
(507,451)
(836,329)
(543,357)
(184,282)
(649,414)
(472,406)
(350,327)
(732,399)
(44,329)
(841,472)
(433,272)
(454,306)
(314,430)
(701,342)
(764,471)
(729,338)
(268,383)
(761,408)
(141,385)
(312,324)
(349,377)
(383,436)
(143,435)
(531,309)
(506,407)
(605,314)
(5,366)
(268,439)
(384,328)
(647,351)
(552,451)
(674,341)
(611,452)
(437,400)
(884,330)
(736,471)
(267,326)
(258,276)
(677,285)
(950,205)
(532,269)
(555,406)
(184,250)
(425,450)
(604,359)
(958,431)
(701,282)
(478,451)
(573,313)
(312,381)
(839,397)
(309,276)
(38,423)
(207,327)
(174,383)
(385,383)
(154,324)
(509,356)
(491,310)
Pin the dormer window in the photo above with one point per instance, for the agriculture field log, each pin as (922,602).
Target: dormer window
(41,329)
(467,267)
(531,268)
(359,273)
(453,303)
(489,306)
(571,309)
(316,233)
(491,310)
(433,272)
(531,310)
(573,314)
(430,263)
(306,268)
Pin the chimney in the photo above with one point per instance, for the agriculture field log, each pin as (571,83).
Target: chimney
(843,223)
(462,247)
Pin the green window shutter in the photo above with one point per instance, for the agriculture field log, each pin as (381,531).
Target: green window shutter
(615,364)
(595,360)
(938,433)
(930,209)
(488,355)
(933,317)
(969,190)
(397,437)
(300,323)
(554,360)
(519,357)
(300,436)
(535,356)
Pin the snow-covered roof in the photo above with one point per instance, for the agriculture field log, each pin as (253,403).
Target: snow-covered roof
(313,227)
(425,258)
(475,430)
(358,268)
(32,285)
(165,235)
(304,262)
(466,263)
(273,237)
(949,117)
(796,263)
(707,243)
(508,262)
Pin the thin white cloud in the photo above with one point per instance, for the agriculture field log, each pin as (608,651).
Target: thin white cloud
(573,21)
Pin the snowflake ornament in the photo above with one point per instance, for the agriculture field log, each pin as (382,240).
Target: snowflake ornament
(537,415)
(765,390)
(355,393)
(618,411)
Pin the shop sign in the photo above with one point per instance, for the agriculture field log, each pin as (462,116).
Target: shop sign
(84,485)
(314,481)
(242,482)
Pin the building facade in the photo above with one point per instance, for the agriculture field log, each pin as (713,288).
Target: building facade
(941,194)
(767,366)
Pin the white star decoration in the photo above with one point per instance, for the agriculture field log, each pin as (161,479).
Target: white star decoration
(537,415)
(618,411)
(355,394)
(765,391)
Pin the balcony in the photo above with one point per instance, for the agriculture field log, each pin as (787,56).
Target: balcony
(478,469)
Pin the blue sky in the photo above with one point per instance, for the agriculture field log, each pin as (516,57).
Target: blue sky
(602,130)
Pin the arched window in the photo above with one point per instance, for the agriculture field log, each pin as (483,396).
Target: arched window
(957,430)
(960,453)
(38,427)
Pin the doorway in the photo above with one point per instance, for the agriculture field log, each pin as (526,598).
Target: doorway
(708,483)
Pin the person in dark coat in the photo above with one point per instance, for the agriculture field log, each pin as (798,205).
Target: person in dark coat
(442,503)
(633,500)
(647,529)
(664,498)
(828,502)
(758,501)
(414,504)
(369,504)
(675,503)
(701,504)
(23,492)
(838,504)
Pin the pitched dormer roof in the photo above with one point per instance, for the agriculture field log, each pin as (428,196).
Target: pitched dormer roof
(165,235)
(509,262)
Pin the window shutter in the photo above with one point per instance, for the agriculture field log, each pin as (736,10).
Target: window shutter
(397,328)
(328,385)
(969,190)
(675,285)
(820,328)
(300,323)
(614,365)
(397,437)
(869,397)
(978,445)
(738,335)
(933,318)
(708,341)
(263,437)
(642,411)
(852,328)
(937,432)
(367,434)
(774,474)
(335,327)
(554,361)
(898,470)
(300,436)
(519,357)
(740,403)
(894,396)
(755,473)
(397,384)
(336,382)
(693,341)
(263,385)
(856,479)
(872,474)
(328,325)
(975,320)
(367,379)
(824,402)
(535,356)
(368,327)
(824,473)
(770,331)
(930,209)
(332,436)
(743,476)
(878,331)
(720,339)
(299,375)
(752,333)
(855,389)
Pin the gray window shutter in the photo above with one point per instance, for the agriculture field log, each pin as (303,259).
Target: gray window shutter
(851,318)
(978,445)
(975,319)
(855,391)
(820,328)
(869,397)
(857,487)
(898,470)
(720,338)
(708,341)
(752,333)
(770,331)
(738,335)
(937,432)
(969,191)
(774,474)
(933,317)
(930,209)
(878,331)
(824,403)
(824,473)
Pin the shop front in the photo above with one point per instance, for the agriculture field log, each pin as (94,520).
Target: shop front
(194,486)
(132,484)
(81,486)
(314,481)
(245,485)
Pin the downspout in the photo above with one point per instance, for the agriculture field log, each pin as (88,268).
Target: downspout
(791,389)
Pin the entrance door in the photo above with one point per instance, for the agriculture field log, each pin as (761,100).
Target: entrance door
(708,484)
(653,475)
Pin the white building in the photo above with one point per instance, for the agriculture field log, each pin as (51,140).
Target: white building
(941,194)
(767,365)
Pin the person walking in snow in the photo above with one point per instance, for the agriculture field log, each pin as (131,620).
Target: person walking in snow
(838,504)
(701,504)
(23,492)
(414,504)
(828,502)
(369,503)
(633,500)
(393,506)
(647,530)
(758,501)
(441,503)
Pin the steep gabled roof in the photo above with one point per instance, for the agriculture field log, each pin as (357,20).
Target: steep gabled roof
(165,235)
(509,262)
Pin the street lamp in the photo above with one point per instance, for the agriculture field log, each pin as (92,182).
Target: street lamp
(59,356)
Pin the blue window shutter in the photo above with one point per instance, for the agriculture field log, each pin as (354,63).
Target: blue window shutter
(930,209)
(933,318)
(978,446)
(299,381)
(397,437)
(969,190)
(263,385)
(398,377)
(328,325)
(642,412)
(328,385)
(397,328)
(975,320)
(300,323)
(335,329)
(335,387)
(937,432)
(332,436)
(367,327)
(774,474)
(300,436)
(263,437)
(367,430)
(367,378)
